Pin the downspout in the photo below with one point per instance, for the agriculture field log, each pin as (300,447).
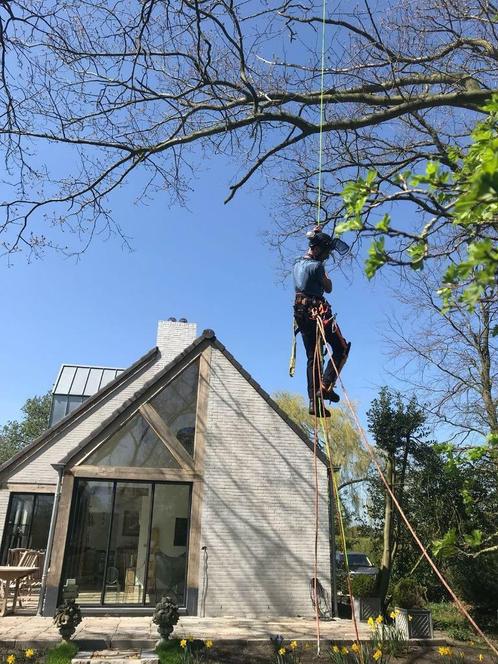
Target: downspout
(59,467)
(332,548)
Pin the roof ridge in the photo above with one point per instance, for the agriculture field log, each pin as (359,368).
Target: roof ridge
(85,405)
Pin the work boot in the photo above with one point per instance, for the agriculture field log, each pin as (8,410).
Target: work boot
(330,395)
(317,407)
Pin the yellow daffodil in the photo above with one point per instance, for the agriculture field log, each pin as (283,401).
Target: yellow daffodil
(393,614)
(377,654)
(481,657)
(335,648)
(11,659)
(379,620)
(410,618)
(444,651)
(344,650)
(183,643)
(29,652)
(355,648)
(371,622)
(293,645)
(282,651)
(208,643)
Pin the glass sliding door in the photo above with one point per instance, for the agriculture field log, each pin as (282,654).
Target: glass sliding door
(88,539)
(128,542)
(169,542)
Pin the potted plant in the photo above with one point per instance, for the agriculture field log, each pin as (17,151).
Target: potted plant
(67,618)
(365,599)
(412,617)
(165,617)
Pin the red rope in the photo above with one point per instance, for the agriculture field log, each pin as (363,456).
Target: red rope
(316,361)
(339,508)
(422,548)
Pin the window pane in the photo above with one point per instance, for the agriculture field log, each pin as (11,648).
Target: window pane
(59,405)
(18,523)
(41,522)
(135,444)
(168,543)
(128,546)
(177,405)
(87,541)
(73,402)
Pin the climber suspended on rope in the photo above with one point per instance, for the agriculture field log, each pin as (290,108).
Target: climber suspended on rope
(311,282)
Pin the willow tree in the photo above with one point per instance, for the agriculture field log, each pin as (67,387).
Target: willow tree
(344,442)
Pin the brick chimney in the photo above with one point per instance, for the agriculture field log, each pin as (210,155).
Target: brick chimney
(173,337)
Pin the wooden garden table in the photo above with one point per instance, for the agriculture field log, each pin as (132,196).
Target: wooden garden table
(8,574)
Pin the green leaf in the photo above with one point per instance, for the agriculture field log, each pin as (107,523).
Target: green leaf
(492,439)
(377,257)
(446,546)
(384,223)
(417,253)
(474,539)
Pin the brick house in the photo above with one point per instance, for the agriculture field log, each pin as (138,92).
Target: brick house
(178,475)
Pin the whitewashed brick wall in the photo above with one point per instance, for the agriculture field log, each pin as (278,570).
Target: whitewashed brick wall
(258,514)
(173,338)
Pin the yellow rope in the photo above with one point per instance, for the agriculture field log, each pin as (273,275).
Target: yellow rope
(338,503)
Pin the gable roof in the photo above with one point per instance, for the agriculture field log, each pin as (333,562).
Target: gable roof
(207,338)
(89,403)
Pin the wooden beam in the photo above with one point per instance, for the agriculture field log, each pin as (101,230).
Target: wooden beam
(167,436)
(19,487)
(60,535)
(125,473)
(194,559)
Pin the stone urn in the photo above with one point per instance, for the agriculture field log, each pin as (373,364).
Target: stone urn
(165,617)
(67,618)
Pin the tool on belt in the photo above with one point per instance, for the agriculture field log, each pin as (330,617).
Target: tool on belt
(307,306)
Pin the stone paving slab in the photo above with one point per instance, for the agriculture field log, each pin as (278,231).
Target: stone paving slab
(125,633)
(116,657)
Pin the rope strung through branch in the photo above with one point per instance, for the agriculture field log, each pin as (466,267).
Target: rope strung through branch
(316,358)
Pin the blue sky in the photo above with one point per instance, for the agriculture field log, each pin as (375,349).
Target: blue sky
(208,264)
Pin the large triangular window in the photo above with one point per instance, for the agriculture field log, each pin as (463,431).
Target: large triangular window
(176,405)
(135,445)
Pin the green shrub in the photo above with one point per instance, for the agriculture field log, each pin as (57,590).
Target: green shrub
(447,618)
(408,594)
(363,585)
(62,653)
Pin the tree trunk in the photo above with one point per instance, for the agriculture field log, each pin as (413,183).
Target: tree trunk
(483,348)
(386,562)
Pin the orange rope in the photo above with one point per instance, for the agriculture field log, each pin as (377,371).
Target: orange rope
(424,551)
(316,360)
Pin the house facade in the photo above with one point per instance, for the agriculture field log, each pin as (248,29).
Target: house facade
(177,476)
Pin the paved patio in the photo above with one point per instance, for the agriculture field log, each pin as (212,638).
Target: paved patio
(140,632)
